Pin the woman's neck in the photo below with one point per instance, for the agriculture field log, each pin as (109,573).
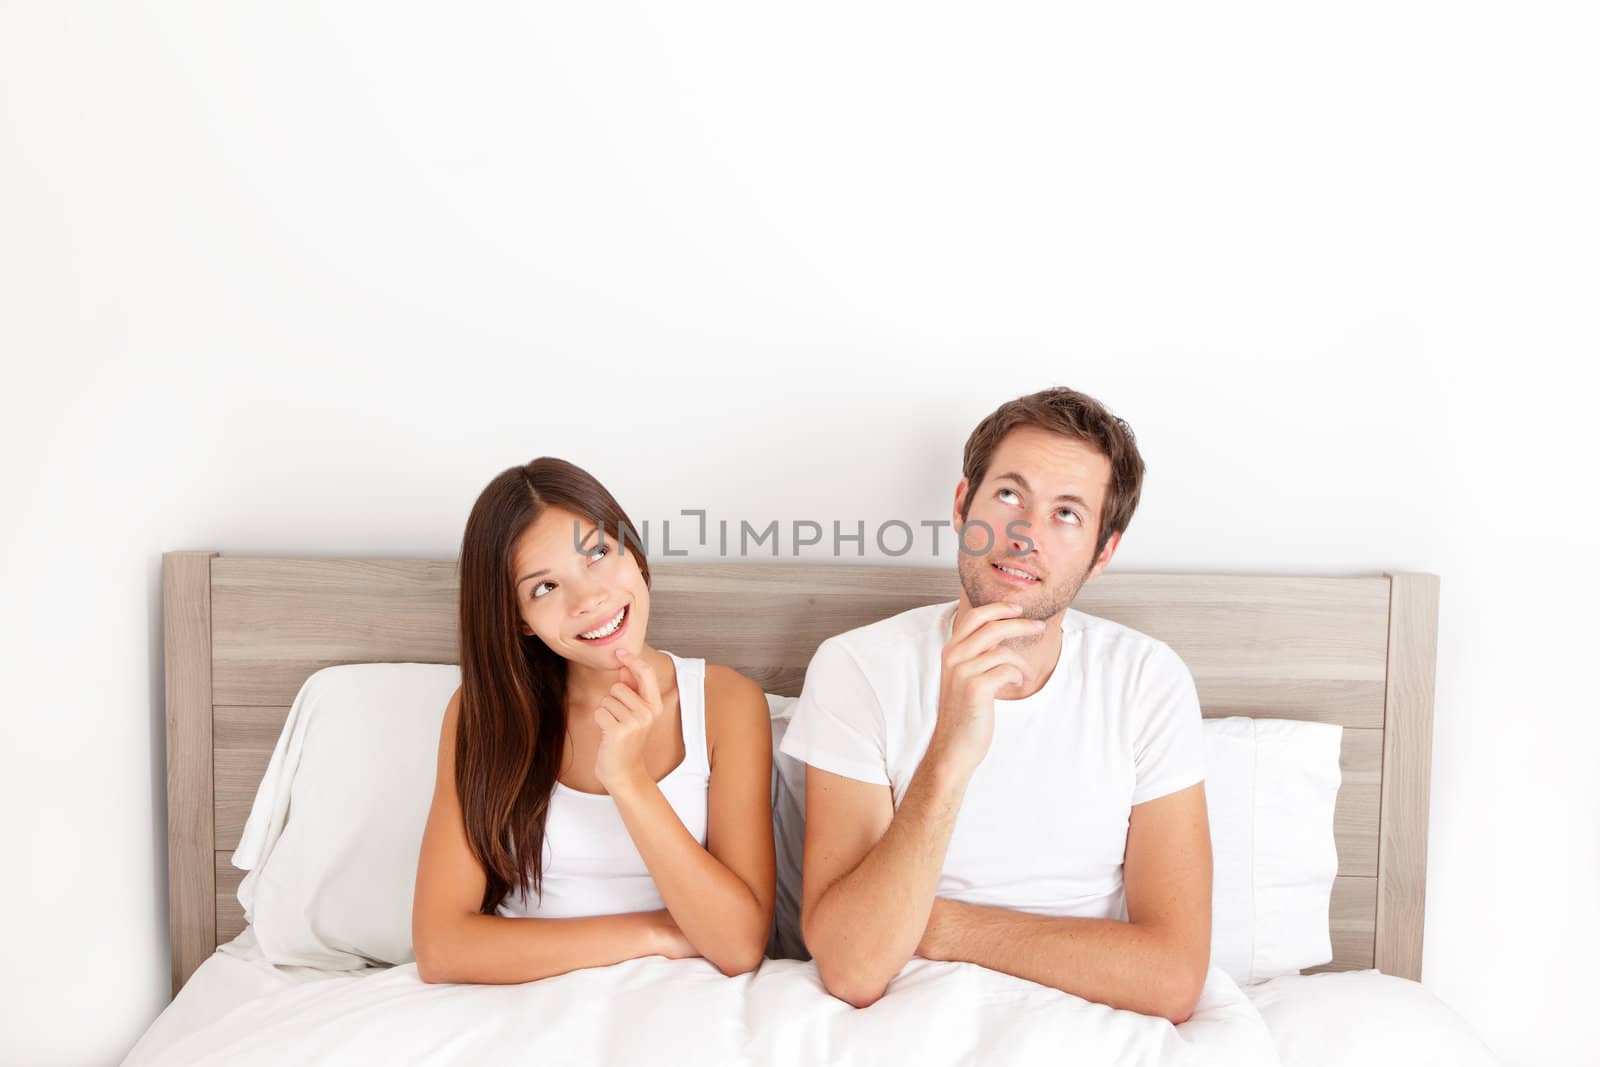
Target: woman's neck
(587,686)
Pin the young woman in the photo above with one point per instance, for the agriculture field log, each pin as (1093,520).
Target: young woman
(597,799)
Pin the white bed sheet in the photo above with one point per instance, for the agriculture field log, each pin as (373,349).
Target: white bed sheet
(232,975)
(1339,1019)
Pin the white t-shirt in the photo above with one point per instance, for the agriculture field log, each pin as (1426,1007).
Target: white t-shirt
(1043,826)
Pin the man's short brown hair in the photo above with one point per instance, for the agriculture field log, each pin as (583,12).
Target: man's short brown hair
(1071,414)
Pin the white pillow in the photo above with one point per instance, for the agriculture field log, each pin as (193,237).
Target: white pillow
(1364,1019)
(1270,791)
(354,765)
(336,827)
(1271,785)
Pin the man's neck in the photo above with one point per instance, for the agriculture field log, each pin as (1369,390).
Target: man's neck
(1042,659)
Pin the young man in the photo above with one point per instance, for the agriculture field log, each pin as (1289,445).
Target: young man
(1003,779)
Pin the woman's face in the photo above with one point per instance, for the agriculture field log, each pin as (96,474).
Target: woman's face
(564,592)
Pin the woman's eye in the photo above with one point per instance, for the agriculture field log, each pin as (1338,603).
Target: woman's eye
(536,589)
(600,551)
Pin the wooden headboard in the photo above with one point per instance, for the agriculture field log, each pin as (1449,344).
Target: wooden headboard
(242,634)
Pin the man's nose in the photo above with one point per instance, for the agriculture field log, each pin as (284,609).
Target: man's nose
(1018,537)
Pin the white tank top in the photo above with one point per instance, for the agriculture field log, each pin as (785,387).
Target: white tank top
(591,865)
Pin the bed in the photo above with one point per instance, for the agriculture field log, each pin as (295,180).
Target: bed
(243,634)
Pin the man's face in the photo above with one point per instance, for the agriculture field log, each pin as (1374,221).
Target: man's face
(1049,490)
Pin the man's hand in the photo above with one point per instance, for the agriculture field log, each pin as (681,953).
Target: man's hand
(929,948)
(974,666)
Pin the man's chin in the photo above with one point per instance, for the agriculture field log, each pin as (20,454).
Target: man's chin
(1042,603)
(982,589)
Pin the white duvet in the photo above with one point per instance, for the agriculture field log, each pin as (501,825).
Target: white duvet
(660,1011)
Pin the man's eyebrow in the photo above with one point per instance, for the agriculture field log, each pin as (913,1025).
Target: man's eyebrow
(1020,480)
(546,570)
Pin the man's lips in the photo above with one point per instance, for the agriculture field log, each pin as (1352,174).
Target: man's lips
(1031,579)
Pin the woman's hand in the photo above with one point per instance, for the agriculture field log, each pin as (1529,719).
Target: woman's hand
(669,940)
(625,716)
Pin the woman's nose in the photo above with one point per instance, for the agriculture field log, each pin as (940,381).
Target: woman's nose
(589,598)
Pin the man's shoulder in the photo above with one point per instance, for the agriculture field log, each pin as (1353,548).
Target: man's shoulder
(914,623)
(1117,645)
(898,638)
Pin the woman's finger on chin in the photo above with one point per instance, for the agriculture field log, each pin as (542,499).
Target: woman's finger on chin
(630,699)
(645,675)
(625,715)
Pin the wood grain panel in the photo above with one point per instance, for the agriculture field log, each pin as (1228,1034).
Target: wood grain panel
(275,621)
(230,914)
(1407,759)
(1287,648)
(186,647)
(245,738)
(1355,810)
(1351,912)
(1309,648)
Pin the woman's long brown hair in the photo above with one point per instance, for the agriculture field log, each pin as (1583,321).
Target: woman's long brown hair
(513,725)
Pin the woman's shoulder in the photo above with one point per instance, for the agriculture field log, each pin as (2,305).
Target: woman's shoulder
(730,684)
(730,694)
(450,727)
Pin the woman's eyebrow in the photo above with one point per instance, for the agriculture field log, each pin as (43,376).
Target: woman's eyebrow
(546,570)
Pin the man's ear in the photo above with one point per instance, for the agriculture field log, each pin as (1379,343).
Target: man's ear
(955,509)
(1104,559)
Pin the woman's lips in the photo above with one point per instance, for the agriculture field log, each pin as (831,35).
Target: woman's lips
(614,634)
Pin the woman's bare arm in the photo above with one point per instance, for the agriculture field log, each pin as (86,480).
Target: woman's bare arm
(721,896)
(455,943)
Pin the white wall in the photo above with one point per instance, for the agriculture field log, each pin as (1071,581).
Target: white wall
(284,280)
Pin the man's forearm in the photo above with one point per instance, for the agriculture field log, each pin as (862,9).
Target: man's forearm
(866,926)
(1104,960)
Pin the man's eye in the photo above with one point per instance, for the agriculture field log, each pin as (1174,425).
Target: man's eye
(1070,514)
(1013,492)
